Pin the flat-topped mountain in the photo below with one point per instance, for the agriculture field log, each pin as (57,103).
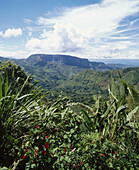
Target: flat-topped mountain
(49,59)
(43,59)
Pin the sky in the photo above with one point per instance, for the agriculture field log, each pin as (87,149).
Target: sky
(83,28)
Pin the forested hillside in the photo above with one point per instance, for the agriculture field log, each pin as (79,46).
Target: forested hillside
(88,83)
(53,70)
(74,77)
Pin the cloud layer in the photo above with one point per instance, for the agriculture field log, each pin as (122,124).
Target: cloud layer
(11,33)
(108,29)
(88,30)
(95,20)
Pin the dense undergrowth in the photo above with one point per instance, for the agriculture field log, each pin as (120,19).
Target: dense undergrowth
(66,135)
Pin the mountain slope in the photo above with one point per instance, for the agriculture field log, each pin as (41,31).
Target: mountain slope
(84,85)
(44,59)
(53,70)
(77,78)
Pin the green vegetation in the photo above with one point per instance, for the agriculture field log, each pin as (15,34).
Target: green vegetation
(18,107)
(74,77)
(83,86)
(53,70)
(65,134)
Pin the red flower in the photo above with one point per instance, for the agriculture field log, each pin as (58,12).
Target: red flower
(29,134)
(115,153)
(37,149)
(103,154)
(65,149)
(37,126)
(46,145)
(45,152)
(101,149)
(26,150)
(77,166)
(54,128)
(81,162)
(24,156)
(53,153)
(44,133)
(47,136)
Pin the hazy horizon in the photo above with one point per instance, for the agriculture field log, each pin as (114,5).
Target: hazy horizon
(129,62)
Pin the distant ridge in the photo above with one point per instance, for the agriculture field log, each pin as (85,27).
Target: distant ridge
(125,62)
(40,59)
(43,59)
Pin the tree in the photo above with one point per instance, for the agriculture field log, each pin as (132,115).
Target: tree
(16,76)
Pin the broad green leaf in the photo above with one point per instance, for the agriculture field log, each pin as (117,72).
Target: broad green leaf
(111,94)
(119,110)
(108,109)
(113,86)
(4,168)
(65,136)
(125,87)
(131,114)
(0,87)
(22,87)
(72,131)
(6,85)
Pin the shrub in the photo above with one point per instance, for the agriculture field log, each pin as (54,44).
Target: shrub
(17,113)
(67,135)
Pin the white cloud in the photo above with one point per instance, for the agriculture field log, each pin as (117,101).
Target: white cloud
(27,21)
(134,21)
(18,54)
(95,20)
(44,34)
(11,33)
(83,31)
(62,39)
(30,34)
(111,50)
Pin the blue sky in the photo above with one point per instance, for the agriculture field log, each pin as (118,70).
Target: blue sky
(83,28)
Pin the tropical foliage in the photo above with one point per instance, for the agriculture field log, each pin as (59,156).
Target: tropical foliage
(17,111)
(65,134)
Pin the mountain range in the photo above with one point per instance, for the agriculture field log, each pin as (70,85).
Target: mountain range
(77,78)
(53,70)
